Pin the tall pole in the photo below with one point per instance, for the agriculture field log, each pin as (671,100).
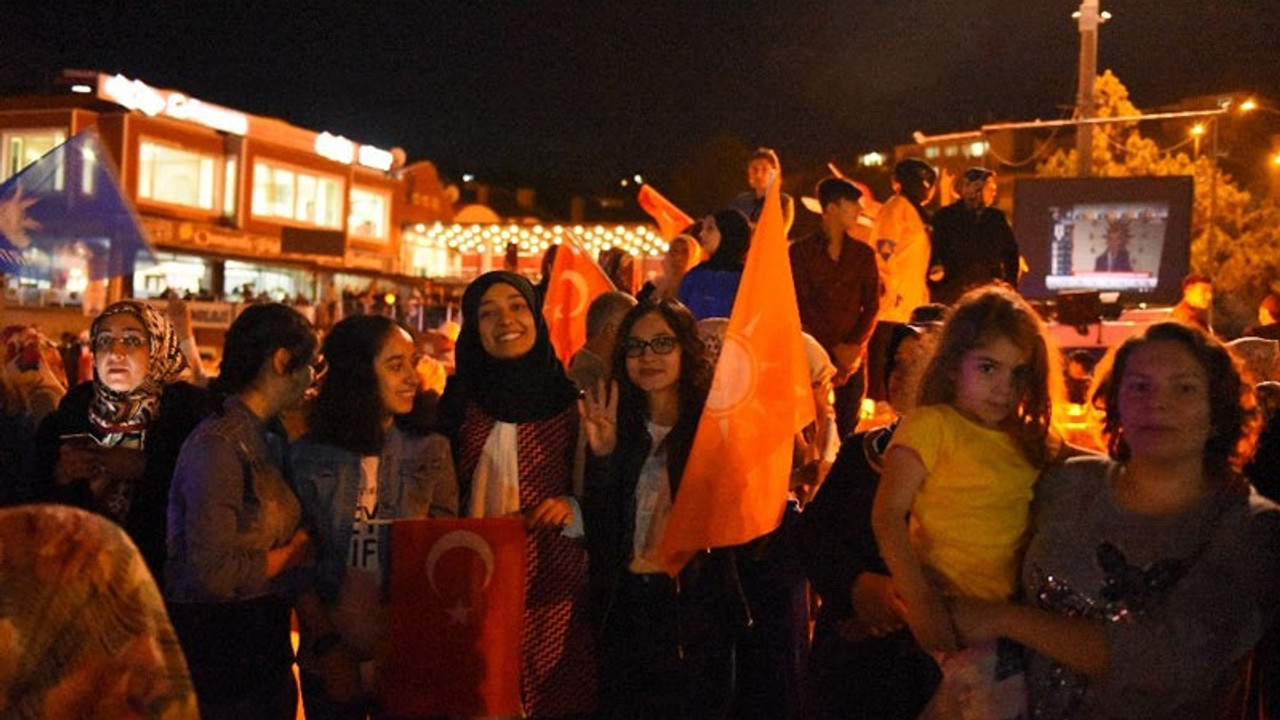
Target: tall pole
(1088,20)
(1213,197)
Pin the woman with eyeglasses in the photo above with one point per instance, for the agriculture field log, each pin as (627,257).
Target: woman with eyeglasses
(509,410)
(112,443)
(667,645)
(236,540)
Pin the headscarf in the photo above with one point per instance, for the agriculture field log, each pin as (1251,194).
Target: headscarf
(126,412)
(529,388)
(735,240)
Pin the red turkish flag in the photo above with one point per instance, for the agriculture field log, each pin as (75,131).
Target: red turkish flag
(671,220)
(576,280)
(457,604)
(735,482)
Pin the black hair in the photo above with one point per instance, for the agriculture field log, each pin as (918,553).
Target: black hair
(347,413)
(254,336)
(834,189)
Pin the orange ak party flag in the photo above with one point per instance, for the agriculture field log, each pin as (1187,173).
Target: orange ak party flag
(576,280)
(457,606)
(671,219)
(734,487)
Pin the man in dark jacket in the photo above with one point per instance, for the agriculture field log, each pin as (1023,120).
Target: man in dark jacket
(972,242)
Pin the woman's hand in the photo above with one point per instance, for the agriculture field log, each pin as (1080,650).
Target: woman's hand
(552,513)
(297,551)
(599,411)
(876,606)
(931,623)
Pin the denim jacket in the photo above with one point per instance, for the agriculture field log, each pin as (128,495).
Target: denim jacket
(415,480)
(229,504)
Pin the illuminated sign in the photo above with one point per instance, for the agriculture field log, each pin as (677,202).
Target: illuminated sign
(137,95)
(376,158)
(335,148)
(340,149)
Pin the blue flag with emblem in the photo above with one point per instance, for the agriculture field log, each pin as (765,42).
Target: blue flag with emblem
(66,210)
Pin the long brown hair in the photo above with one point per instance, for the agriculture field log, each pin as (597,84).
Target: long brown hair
(980,317)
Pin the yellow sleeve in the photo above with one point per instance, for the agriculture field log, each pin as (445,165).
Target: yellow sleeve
(922,433)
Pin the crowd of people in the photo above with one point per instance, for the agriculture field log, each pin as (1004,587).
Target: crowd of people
(965,558)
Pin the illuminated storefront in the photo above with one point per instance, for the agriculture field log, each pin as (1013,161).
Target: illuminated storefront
(233,204)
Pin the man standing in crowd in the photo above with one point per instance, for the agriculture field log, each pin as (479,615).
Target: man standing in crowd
(901,241)
(972,242)
(1196,306)
(838,292)
(591,363)
(763,162)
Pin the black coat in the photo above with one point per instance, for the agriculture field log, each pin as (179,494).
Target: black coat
(182,407)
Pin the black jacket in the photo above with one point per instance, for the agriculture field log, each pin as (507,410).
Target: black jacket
(182,407)
(708,606)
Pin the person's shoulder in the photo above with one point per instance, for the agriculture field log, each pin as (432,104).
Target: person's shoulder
(1079,475)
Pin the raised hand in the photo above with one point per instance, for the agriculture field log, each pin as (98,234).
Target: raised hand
(599,411)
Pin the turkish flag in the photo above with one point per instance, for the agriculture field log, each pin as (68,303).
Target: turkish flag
(576,280)
(457,604)
(671,220)
(734,486)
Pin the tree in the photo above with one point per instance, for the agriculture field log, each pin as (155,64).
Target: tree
(1244,256)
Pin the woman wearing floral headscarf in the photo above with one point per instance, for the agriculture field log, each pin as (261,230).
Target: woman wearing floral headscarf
(112,444)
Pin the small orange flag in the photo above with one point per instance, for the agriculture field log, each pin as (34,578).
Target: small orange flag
(576,280)
(734,486)
(671,220)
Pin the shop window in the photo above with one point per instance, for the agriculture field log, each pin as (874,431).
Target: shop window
(296,195)
(176,176)
(23,147)
(370,214)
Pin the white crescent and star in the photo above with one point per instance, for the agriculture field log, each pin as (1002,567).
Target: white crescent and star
(459,539)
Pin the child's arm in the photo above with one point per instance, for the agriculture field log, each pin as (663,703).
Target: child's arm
(927,615)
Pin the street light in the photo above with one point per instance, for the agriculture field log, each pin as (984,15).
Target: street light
(1197,132)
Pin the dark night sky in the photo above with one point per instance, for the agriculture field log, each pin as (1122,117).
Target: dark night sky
(587,91)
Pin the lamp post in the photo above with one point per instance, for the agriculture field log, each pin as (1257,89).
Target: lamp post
(1088,18)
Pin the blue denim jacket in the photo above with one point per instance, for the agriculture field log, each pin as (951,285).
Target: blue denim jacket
(228,505)
(415,480)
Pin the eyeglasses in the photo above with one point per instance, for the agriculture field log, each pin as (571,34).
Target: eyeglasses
(104,343)
(661,345)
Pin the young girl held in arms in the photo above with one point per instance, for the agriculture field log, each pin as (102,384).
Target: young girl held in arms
(963,465)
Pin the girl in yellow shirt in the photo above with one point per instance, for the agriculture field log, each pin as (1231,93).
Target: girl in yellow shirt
(963,466)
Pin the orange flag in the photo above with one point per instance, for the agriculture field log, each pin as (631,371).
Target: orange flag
(457,606)
(576,280)
(671,219)
(734,487)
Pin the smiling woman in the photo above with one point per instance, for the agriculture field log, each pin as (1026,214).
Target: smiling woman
(356,471)
(510,412)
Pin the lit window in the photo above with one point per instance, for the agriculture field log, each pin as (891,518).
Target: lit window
(931,151)
(23,147)
(370,214)
(177,176)
(296,195)
(977,148)
(951,151)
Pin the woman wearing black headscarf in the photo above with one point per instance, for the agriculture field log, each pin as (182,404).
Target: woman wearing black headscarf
(511,414)
(709,289)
